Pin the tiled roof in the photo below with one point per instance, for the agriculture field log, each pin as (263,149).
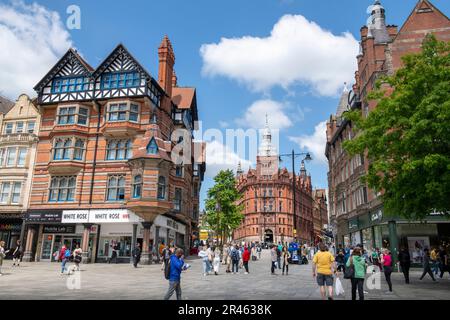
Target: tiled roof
(183,97)
(5,104)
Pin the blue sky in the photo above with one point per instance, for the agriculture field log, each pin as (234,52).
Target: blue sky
(224,94)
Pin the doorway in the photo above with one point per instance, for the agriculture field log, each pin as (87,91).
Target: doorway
(268,236)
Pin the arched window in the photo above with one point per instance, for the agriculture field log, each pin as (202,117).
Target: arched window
(79,150)
(66,150)
(116,188)
(161,188)
(137,187)
(118,150)
(58,150)
(152,147)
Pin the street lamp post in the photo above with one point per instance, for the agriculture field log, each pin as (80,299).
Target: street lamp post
(294,155)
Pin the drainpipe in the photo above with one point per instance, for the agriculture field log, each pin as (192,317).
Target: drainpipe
(94,164)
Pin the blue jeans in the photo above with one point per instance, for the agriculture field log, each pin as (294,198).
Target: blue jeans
(206,266)
(63,265)
(435,267)
(174,286)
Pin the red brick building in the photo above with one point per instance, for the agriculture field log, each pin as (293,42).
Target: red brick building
(105,175)
(356,212)
(267,198)
(320,213)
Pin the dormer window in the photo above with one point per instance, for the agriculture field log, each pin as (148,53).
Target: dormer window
(123,112)
(117,80)
(152,147)
(70,84)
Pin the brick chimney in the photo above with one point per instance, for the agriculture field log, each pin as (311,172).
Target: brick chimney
(166,63)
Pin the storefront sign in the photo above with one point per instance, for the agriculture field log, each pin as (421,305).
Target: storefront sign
(172,224)
(172,234)
(75,216)
(100,216)
(376,216)
(59,229)
(353,224)
(43,216)
(10,227)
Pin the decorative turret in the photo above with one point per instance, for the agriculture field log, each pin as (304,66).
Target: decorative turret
(343,102)
(166,63)
(377,25)
(266,149)
(239,170)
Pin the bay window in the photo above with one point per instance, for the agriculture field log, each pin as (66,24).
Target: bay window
(122,112)
(66,149)
(161,188)
(177,199)
(137,187)
(72,115)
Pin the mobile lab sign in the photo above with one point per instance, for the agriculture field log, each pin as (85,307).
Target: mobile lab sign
(100,216)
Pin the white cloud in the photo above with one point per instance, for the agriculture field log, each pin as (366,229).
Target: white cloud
(32,39)
(297,51)
(314,143)
(255,115)
(223,124)
(220,157)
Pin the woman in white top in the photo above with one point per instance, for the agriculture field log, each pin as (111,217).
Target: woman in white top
(2,254)
(216,261)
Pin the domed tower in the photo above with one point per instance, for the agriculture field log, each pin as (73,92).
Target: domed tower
(267,159)
(377,24)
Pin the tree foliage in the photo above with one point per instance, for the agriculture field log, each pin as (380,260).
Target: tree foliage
(407,136)
(223,215)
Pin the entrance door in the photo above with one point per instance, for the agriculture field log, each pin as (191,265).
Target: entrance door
(268,236)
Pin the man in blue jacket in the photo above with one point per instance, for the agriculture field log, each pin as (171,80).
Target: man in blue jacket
(176,266)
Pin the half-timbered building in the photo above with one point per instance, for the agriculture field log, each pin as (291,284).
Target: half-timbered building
(106,175)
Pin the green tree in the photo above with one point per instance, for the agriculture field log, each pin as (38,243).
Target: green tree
(407,137)
(223,214)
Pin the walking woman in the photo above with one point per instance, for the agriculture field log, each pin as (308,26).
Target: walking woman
(77,257)
(17,254)
(386,262)
(204,255)
(216,261)
(427,265)
(359,264)
(2,255)
(285,256)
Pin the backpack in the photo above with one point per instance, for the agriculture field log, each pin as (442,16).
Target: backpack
(167,270)
(67,253)
(235,255)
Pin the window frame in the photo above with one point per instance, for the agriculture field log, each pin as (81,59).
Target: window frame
(68,190)
(59,82)
(177,203)
(76,115)
(11,192)
(70,150)
(127,149)
(127,111)
(137,185)
(163,187)
(117,188)
(114,79)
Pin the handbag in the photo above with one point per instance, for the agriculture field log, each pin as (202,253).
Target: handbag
(349,272)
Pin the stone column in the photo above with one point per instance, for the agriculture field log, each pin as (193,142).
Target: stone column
(85,242)
(146,255)
(393,240)
(156,244)
(27,256)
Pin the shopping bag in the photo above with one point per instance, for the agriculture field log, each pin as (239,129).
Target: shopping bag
(339,288)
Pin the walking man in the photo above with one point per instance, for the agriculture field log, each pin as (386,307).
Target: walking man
(235,257)
(176,265)
(136,254)
(405,262)
(323,268)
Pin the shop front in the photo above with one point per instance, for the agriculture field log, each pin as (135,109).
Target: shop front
(10,229)
(168,231)
(375,230)
(112,232)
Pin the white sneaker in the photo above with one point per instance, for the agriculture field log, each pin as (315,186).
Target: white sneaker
(246,273)
(204,274)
